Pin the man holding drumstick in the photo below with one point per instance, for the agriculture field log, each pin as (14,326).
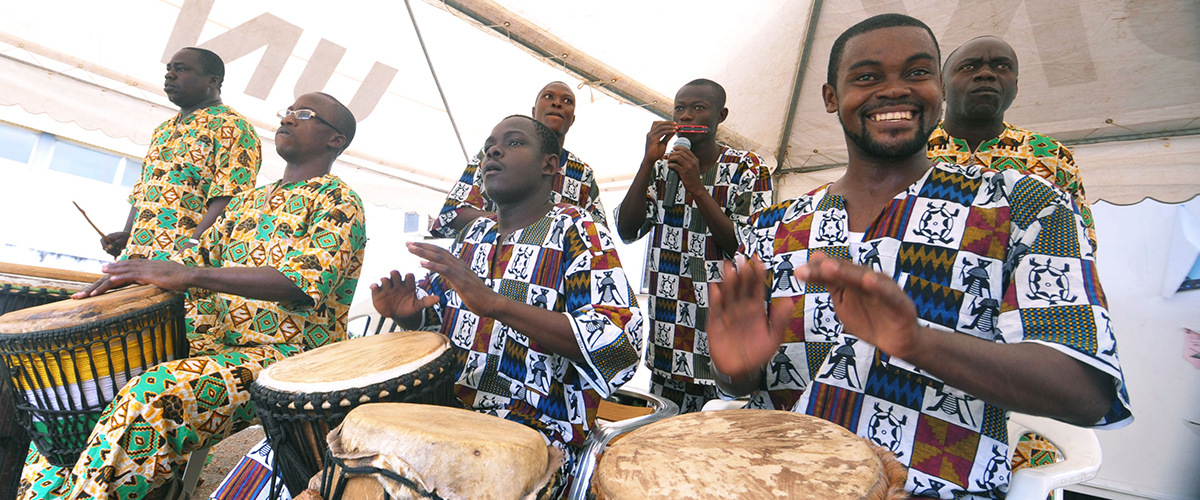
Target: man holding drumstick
(274,275)
(961,293)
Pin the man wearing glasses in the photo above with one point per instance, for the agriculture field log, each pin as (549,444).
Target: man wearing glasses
(275,275)
(198,160)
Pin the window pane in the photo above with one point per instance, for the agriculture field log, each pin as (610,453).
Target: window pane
(133,172)
(17,144)
(410,222)
(84,162)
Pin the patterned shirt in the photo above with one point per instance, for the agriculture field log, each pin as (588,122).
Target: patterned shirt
(314,233)
(574,184)
(995,255)
(1024,151)
(210,153)
(683,258)
(564,262)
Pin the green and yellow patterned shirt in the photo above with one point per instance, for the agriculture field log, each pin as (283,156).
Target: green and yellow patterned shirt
(210,153)
(313,232)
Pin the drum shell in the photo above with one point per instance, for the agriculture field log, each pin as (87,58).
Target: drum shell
(296,424)
(53,370)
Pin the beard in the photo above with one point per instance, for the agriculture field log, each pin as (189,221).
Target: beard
(872,146)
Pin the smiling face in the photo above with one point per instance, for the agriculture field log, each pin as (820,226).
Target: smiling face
(555,108)
(299,139)
(185,83)
(981,80)
(516,167)
(889,92)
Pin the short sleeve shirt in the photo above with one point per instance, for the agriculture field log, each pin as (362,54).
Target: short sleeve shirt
(994,255)
(210,153)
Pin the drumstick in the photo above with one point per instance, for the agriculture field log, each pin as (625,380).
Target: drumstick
(89,220)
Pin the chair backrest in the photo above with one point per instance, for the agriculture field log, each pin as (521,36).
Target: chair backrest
(1080,449)
(375,323)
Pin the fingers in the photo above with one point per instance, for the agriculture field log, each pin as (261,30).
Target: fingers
(781,315)
(99,287)
(429,301)
(832,272)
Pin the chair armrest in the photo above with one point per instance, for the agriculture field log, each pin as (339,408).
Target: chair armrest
(719,404)
(599,438)
(1079,446)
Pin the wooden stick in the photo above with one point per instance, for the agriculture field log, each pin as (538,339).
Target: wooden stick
(48,273)
(89,220)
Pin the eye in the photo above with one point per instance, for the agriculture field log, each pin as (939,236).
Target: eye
(865,77)
(678,107)
(966,67)
(568,100)
(920,72)
(514,142)
(1004,66)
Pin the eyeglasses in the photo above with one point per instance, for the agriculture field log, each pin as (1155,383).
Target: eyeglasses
(305,114)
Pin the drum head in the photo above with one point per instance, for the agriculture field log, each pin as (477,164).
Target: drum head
(68,313)
(739,454)
(354,363)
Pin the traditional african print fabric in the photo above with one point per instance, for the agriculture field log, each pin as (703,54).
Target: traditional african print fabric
(995,255)
(1024,151)
(574,184)
(688,397)
(210,153)
(156,421)
(564,262)
(313,232)
(683,259)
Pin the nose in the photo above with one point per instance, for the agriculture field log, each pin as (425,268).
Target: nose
(985,73)
(894,88)
(494,151)
(288,119)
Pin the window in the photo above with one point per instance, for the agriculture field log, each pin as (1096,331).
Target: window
(84,162)
(133,172)
(17,144)
(411,221)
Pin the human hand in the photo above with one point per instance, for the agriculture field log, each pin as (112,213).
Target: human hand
(685,163)
(396,297)
(114,243)
(475,295)
(656,141)
(163,274)
(741,339)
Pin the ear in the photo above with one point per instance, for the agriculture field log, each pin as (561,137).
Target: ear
(337,142)
(572,121)
(723,115)
(831,100)
(550,166)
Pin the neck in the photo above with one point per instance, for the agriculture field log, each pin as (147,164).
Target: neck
(973,130)
(562,140)
(706,153)
(303,170)
(511,216)
(184,112)
(869,180)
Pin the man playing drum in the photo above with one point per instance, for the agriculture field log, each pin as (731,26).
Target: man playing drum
(274,275)
(198,160)
(961,293)
(533,297)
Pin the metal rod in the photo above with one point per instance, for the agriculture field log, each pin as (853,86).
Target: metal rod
(810,33)
(457,135)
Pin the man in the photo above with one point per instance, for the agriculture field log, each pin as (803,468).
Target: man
(574,183)
(287,255)
(721,186)
(197,162)
(960,293)
(533,297)
(981,83)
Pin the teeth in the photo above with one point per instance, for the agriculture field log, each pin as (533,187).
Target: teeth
(894,115)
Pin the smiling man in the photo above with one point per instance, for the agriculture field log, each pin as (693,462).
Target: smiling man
(287,255)
(532,297)
(981,83)
(574,183)
(197,161)
(961,293)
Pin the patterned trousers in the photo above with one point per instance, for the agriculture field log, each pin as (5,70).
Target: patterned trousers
(690,397)
(147,433)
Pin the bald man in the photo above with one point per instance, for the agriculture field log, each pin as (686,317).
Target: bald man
(574,183)
(298,287)
(981,83)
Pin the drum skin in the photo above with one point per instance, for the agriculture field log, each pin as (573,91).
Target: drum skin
(758,454)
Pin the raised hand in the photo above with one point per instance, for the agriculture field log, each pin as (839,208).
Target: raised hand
(396,297)
(741,339)
(656,141)
(475,295)
(114,243)
(685,163)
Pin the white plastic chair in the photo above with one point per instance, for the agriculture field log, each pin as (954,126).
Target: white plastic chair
(375,323)
(1079,446)
(598,439)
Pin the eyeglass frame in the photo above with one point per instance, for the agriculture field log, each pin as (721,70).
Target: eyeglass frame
(284,113)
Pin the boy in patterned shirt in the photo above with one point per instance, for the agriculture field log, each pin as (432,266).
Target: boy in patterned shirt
(274,276)
(532,297)
(575,183)
(197,162)
(960,292)
(689,236)
(981,83)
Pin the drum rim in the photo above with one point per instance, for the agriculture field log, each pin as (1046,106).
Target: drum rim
(72,332)
(6,287)
(268,381)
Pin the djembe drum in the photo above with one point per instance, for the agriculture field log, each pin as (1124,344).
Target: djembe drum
(402,451)
(301,398)
(67,360)
(755,454)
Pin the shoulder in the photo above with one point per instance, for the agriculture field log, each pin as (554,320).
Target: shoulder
(939,137)
(789,210)
(335,190)
(741,157)
(1039,140)
(227,116)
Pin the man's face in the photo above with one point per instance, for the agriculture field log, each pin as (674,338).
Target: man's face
(889,92)
(185,83)
(698,105)
(299,139)
(981,79)
(515,164)
(555,108)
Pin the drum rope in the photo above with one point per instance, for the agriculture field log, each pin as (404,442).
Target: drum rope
(343,471)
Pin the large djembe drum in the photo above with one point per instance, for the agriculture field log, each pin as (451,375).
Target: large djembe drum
(402,451)
(67,360)
(300,399)
(750,454)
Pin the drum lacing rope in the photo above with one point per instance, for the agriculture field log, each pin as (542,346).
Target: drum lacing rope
(327,479)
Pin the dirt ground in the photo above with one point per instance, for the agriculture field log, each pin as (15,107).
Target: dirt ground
(223,457)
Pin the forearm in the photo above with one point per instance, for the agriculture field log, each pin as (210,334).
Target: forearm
(1025,377)
(633,206)
(548,328)
(215,207)
(260,283)
(719,224)
(465,216)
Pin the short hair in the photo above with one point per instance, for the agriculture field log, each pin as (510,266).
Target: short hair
(964,44)
(343,118)
(550,145)
(210,62)
(717,88)
(871,24)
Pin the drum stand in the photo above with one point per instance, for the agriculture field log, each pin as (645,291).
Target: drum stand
(183,488)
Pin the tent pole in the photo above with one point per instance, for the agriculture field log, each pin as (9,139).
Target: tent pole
(810,33)
(457,135)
